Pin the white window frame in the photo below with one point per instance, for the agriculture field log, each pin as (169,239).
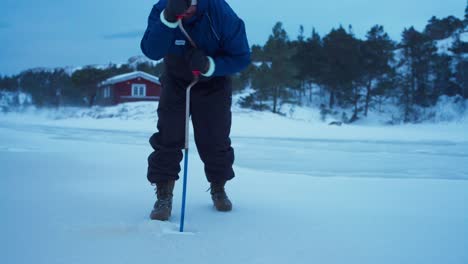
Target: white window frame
(107,92)
(138,90)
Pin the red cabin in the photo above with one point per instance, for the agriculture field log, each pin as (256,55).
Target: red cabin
(130,87)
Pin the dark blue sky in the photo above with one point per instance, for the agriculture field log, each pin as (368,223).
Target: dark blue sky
(52,33)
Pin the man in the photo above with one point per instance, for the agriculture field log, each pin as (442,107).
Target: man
(222,50)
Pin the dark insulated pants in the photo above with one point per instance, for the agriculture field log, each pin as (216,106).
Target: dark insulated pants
(211,118)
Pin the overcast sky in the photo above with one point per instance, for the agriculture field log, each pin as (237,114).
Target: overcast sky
(52,33)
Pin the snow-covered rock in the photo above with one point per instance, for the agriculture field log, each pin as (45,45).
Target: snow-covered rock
(14,101)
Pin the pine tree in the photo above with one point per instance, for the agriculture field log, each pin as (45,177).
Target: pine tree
(308,60)
(460,51)
(443,76)
(341,50)
(242,80)
(61,86)
(316,61)
(257,53)
(377,54)
(87,81)
(299,60)
(36,82)
(9,83)
(438,29)
(461,76)
(262,82)
(279,53)
(301,36)
(418,52)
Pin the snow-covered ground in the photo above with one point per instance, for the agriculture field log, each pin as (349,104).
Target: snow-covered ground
(73,190)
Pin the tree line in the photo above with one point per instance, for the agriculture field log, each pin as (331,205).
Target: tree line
(339,70)
(334,71)
(58,87)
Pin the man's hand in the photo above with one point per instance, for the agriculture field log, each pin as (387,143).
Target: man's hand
(198,61)
(176,8)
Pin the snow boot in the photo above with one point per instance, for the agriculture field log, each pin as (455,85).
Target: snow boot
(220,200)
(163,206)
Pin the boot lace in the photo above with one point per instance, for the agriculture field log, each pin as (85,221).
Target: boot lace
(164,198)
(217,192)
(163,203)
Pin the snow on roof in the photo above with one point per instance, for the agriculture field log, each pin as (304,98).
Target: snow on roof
(129,76)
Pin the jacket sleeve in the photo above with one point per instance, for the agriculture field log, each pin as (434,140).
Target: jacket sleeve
(235,54)
(159,34)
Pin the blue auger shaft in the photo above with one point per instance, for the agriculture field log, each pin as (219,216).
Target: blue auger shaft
(184,191)
(187,121)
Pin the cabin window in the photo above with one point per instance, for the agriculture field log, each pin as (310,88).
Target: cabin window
(138,90)
(107,92)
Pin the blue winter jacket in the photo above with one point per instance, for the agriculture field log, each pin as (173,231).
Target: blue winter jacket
(215,28)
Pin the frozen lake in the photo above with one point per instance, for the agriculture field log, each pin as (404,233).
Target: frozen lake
(79,195)
(315,157)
